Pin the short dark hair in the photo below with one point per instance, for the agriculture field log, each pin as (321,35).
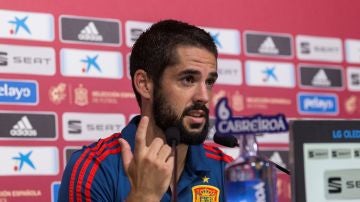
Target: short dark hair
(155,49)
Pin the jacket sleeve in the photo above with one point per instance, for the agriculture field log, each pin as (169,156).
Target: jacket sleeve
(87,177)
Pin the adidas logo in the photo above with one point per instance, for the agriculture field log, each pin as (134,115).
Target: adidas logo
(23,128)
(320,79)
(90,33)
(268,47)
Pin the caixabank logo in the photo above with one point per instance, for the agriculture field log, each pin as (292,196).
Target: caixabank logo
(318,104)
(17,161)
(227,41)
(269,74)
(19,92)
(26,25)
(28,125)
(86,63)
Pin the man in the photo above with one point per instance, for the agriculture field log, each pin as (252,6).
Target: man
(173,69)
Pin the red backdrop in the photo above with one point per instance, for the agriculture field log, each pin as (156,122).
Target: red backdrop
(59,93)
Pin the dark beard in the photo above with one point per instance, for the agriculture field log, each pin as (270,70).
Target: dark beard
(166,117)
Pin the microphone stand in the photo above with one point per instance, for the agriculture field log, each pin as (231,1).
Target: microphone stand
(231,141)
(173,138)
(174,195)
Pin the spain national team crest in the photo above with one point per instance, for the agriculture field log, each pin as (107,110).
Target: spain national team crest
(205,193)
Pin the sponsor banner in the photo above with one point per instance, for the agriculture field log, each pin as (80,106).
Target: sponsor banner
(268,44)
(21,190)
(26,25)
(81,95)
(29,161)
(55,187)
(133,29)
(353,78)
(19,92)
(236,99)
(319,48)
(227,124)
(101,31)
(342,184)
(27,60)
(86,63)
(128,66)
(229,71)
(262,103)
(28,125)
(318,154)
(322,77)
(91,126)
(233,152)
(318,104)
(269,74)
(68,151)
(352,48)
(276,155)
(352,104)
(341,153)
(227,40)
(240,102)
(277,138)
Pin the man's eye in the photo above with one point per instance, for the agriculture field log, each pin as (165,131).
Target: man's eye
(188,80)
(210,82)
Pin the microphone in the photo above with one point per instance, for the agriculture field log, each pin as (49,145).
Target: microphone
(226,140)
(231,141)
(172,136)
(172,139)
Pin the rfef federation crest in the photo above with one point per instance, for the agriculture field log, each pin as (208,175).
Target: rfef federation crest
(205,193)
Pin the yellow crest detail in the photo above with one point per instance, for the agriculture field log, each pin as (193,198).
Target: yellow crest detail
(205,193)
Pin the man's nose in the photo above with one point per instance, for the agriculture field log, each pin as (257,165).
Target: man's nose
(202,94)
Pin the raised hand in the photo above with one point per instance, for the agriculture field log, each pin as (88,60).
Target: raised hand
(149,169)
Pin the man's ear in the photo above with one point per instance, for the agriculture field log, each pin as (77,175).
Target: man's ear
(143,84)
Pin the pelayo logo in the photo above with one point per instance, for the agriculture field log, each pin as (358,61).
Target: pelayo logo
(226,124)
(18,92)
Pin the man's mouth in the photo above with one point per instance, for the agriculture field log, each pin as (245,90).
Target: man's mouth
(196,116)
(196,113)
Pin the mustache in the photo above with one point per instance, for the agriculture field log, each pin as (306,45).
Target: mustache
(197,106)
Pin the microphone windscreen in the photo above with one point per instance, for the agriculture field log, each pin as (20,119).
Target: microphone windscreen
(172,136)
(225,140)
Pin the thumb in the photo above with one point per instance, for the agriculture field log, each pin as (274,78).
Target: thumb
(126,153)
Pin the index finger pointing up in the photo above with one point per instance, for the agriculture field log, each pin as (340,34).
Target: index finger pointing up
(140,138)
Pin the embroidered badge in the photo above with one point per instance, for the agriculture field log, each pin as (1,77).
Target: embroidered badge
(205,193)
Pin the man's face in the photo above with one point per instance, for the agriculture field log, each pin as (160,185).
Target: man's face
(184,92)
